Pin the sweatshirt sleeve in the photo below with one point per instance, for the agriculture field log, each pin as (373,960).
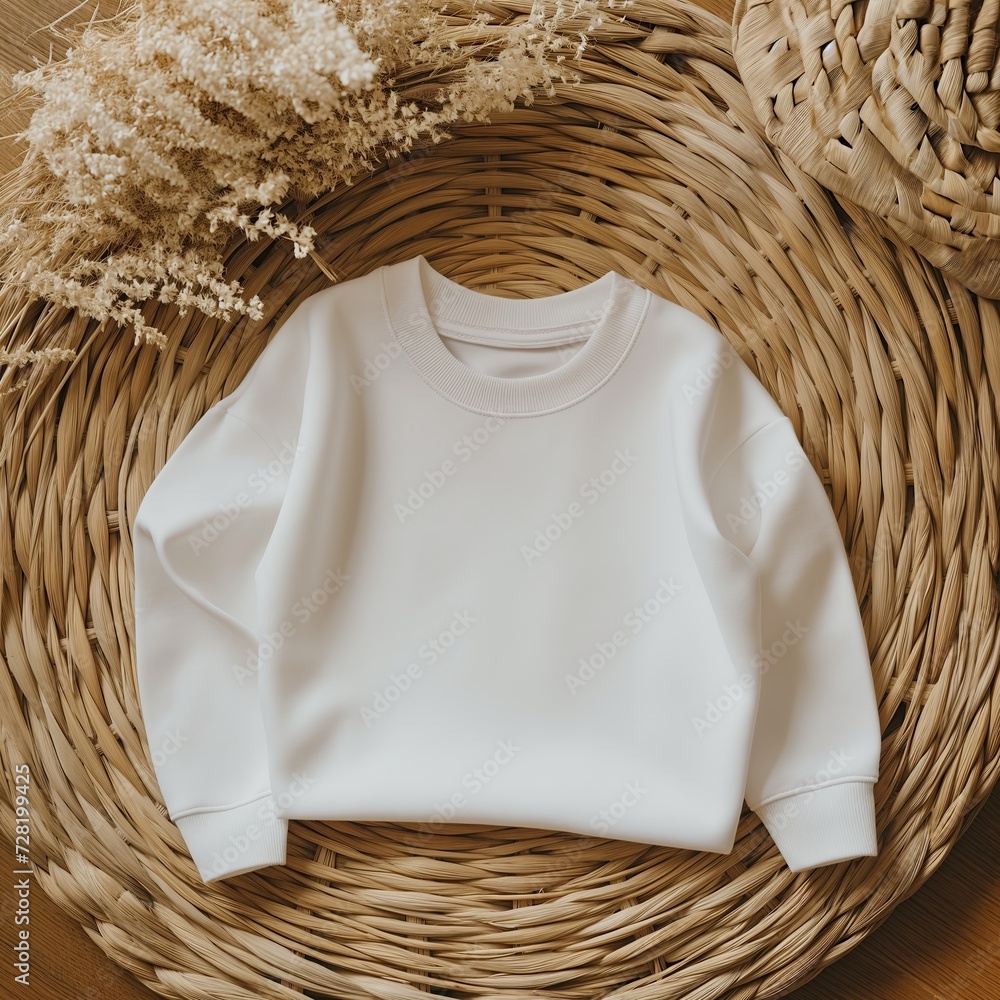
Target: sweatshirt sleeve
(198,537)
(817,738)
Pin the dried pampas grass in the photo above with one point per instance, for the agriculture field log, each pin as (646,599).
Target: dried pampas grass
(176,123)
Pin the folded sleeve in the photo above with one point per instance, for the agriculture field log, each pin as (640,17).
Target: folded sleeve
(817,737)
(198,537)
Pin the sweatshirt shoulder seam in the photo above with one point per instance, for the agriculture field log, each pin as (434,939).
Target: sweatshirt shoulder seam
(748,438)
(246,423)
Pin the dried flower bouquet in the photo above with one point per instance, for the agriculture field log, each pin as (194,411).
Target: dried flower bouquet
(177,123)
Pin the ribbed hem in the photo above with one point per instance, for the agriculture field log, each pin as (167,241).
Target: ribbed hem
(606,313)
(232,841)
(824,825)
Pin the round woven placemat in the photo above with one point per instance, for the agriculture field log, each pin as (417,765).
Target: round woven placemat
(655,166)
(894,104)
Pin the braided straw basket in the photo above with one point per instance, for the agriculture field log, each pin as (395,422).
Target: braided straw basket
(655,166)
(894,104)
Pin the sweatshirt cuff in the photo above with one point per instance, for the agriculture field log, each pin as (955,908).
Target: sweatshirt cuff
(822,826)
(232,841)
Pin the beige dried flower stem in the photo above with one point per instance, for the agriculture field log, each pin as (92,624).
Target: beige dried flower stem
(161,136)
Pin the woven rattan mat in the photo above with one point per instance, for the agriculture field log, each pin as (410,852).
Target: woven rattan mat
(657,167)
(893,104)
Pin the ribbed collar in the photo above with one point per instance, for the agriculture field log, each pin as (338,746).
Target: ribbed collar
(415,295)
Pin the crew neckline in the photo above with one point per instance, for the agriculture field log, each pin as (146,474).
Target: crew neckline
(612,305)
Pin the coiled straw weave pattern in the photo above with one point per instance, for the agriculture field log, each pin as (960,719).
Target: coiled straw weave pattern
(656,166)
(894,104)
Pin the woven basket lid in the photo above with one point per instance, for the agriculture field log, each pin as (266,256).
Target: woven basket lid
(654,166)
(893,104)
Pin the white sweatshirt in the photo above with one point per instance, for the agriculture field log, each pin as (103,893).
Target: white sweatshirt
(449,557)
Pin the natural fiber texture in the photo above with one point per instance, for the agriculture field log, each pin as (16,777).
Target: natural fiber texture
(173,124)
(657,167)
(894,104)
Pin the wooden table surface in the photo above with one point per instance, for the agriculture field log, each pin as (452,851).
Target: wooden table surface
(943,943)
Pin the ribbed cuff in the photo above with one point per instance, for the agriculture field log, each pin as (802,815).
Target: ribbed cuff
(232,841)
(824,825)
